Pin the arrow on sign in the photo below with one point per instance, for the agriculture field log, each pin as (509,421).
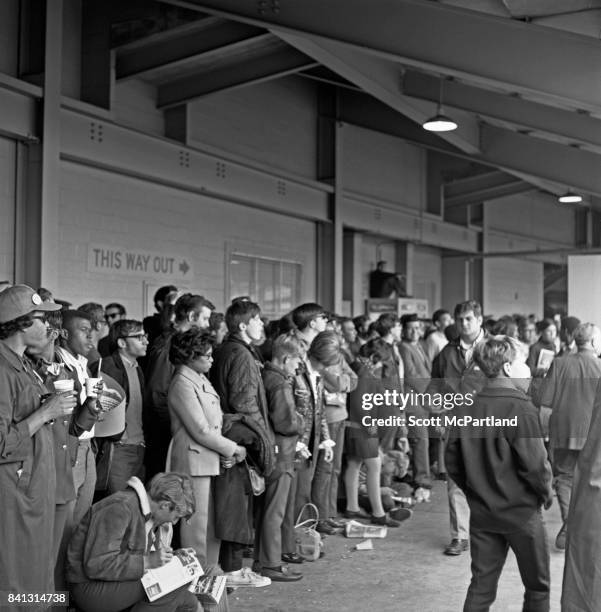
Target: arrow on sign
(184,267)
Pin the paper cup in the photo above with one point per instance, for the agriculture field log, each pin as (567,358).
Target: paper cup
(64,386)
(90,384)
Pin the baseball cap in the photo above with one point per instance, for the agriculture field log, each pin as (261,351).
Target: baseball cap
(19,300)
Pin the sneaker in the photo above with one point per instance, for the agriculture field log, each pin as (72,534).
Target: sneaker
(422,495)
(385,520)
(456,547)
(400,514)
(560,540)
(245,577)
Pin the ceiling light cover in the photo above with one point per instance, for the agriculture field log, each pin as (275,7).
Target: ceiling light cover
(439,123)
(570,198)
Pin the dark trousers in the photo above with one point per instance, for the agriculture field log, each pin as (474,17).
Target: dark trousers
(298,496)
(324,489)
(231,556)
(127,461)
(564,462)
(268,538)
(489,551)
(101,596)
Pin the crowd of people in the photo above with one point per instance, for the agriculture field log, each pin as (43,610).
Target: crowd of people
(235,423)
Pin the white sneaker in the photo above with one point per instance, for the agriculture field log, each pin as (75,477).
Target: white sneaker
(422,495)
(245,577)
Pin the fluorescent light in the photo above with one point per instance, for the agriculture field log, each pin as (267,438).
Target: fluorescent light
(570,198)
(439,123)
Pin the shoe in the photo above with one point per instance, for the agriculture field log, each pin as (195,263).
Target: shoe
(352,514)
(280,574)
(422,495)
(441,476)
(292,558)
(385,520)
(456,547)
(245,577)
(400,514)
(324,527)
(336,523)
(560,540)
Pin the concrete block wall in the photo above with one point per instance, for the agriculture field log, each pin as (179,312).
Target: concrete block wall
(379,165)
(102,208)
(273,123)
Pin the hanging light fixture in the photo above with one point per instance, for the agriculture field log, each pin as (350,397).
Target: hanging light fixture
(440,122)
(570,198)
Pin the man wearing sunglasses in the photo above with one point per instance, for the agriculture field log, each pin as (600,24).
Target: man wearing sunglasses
(128,343)
(113,312)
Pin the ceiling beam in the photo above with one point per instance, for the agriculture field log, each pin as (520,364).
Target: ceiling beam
(578,127)
(524,57)
(512,186)
(548,160)
(173,47)
(381,80)
(360,109)
(255,69)
(477,182)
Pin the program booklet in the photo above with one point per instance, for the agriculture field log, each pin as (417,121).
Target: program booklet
(209,590)
(182,569)
(545,359)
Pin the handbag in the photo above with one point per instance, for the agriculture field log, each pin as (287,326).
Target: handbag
(257,482)
(308,539)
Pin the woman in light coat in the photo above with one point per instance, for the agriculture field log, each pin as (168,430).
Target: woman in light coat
(197,447)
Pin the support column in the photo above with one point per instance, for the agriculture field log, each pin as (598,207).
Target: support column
(405,254)
(330,235)
(50,163)
(354,284)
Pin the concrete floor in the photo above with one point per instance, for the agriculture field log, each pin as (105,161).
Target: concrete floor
(405,571)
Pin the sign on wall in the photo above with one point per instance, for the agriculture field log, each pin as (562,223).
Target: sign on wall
(110,259)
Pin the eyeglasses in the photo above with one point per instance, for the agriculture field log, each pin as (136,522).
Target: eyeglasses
(137,336)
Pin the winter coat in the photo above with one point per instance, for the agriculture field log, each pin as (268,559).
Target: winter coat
(196,421)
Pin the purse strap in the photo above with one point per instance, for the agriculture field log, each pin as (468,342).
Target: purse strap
(300,523)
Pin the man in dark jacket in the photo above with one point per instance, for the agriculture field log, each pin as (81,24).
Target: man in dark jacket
(500,462)
(236,376)
(190,311)
(569,390)
(236,373)
(128,342)
(120,538)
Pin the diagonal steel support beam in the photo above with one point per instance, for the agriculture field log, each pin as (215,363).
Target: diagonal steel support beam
(548,160)
(453,41)
(381,79)
(247,72)
(578,127)
(179,45)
